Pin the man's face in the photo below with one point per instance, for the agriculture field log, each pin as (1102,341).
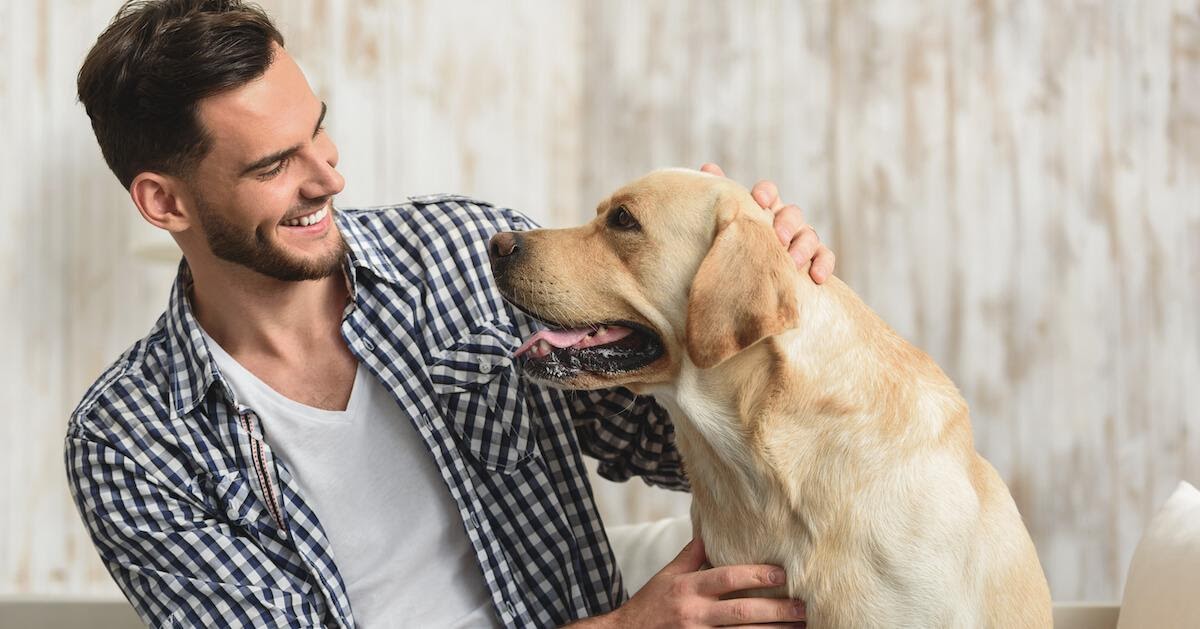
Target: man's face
(264,192)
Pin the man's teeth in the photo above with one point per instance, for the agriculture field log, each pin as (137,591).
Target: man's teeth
(310,219)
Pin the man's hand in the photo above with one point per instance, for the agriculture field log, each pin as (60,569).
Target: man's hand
(683,595)
(799,237)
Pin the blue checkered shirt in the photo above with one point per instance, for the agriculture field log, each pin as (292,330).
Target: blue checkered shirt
(201,526)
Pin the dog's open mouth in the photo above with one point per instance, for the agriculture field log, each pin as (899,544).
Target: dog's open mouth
(602,348)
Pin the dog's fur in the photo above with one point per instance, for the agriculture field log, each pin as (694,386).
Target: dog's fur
(814,436)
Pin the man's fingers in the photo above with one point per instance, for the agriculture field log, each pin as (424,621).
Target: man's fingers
(800,238)
(788,221)
(822,266)
(688,560)
(718,582)
(767,195)
(804,246)
(751,611)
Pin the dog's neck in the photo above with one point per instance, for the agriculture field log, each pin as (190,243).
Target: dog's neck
(719,412)
(709,428)
(714,410)
(724,389)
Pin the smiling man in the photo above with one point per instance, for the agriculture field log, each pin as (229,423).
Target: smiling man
(326,427)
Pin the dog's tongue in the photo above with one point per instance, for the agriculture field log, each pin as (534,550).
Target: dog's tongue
(557,338)
(578,338)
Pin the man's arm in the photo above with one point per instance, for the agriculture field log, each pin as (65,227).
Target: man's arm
(629,435)
(177,565)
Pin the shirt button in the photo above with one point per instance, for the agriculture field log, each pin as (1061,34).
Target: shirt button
(485,367)
(368,345)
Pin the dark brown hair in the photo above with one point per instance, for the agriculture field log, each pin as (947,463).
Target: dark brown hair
(142,80)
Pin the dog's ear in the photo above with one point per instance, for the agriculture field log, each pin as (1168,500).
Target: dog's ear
(744,291)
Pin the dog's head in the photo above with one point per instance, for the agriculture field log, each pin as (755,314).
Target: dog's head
(677,266)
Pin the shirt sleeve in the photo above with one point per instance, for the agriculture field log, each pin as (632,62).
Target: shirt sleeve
(630,435)
(178,565)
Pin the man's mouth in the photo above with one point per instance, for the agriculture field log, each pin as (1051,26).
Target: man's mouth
(561,352)
(311,219)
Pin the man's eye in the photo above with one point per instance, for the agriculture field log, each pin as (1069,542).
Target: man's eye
(621,218)
(274,171)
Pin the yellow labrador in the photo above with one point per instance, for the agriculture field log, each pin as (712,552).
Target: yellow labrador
(814,437)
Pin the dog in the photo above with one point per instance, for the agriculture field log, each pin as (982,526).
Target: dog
(813,435)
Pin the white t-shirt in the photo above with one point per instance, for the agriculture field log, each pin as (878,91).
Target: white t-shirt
(395,532)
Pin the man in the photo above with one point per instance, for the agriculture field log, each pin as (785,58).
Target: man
(326,427)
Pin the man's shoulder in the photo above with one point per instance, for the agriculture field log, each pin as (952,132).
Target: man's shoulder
(135,383)
(435,218)
(431,241)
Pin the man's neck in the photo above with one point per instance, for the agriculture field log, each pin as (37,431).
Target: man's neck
(248,313)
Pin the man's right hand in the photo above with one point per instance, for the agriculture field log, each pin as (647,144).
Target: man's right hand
(683,595)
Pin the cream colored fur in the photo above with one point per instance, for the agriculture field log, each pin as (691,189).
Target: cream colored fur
(813,435)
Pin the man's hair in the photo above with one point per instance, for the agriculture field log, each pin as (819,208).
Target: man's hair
(143,79)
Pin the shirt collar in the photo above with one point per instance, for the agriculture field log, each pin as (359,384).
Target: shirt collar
(192,369)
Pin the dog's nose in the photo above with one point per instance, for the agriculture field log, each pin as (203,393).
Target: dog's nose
(503,245)
(503,249)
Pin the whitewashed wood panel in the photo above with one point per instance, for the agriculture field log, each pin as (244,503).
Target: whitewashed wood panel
(72,299)
(1015,186)
(467,97)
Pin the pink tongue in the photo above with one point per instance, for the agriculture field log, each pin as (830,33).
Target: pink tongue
(610,334)
(557,338)
(575,337)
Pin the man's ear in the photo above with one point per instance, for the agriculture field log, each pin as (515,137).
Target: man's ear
(744,291)
(160,200)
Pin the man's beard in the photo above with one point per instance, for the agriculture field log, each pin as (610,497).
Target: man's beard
(258,253)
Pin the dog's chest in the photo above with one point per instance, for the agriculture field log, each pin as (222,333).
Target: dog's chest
(740,510)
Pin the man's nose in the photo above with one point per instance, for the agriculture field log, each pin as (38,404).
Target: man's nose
(503,249)
(323,179)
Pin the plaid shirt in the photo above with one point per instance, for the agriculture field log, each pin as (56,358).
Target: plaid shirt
(201,526)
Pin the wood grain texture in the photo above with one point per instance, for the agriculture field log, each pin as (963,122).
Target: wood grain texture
(1014,186)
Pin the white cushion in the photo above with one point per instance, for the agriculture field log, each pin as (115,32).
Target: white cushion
(643,549)
(1078,615)
(1162,590)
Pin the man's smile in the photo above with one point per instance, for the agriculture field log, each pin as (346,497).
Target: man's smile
(311,223)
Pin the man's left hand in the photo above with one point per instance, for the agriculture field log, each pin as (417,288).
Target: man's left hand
(799,237)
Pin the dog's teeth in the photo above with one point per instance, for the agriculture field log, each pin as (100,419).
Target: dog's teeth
(543,348)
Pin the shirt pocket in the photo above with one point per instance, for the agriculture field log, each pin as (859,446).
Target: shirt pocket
(481,396)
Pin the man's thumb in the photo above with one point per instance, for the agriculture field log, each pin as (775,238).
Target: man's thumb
(688,560)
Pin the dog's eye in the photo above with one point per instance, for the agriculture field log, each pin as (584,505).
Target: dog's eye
(621,218)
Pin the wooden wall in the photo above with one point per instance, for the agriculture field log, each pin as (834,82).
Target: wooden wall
(1014,186)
